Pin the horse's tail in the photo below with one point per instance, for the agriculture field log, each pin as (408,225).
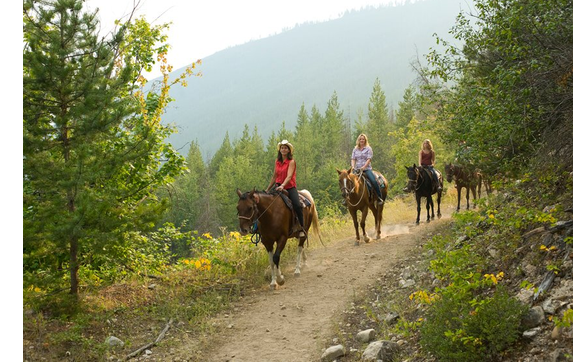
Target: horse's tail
(315,217)
(385,188)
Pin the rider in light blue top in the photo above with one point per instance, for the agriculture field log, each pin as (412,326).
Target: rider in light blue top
(361,160)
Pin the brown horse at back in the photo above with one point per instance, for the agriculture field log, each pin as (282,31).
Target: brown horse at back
(358,198)
(464,177)
(269,216)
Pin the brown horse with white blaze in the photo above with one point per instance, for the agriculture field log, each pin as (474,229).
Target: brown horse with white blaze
(269,216)
(358,198)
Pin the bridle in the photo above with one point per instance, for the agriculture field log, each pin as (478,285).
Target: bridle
(253,210)
(415,183)
(347,192)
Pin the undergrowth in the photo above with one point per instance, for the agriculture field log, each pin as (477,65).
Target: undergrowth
(205,276)
(469,312)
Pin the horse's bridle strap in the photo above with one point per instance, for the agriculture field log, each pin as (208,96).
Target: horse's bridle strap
(250,218)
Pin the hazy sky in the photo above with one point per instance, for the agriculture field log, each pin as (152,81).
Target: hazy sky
(201,28)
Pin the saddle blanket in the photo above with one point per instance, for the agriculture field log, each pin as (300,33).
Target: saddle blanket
(304,201)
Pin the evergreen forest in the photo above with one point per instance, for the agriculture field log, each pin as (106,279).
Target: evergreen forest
(106,198)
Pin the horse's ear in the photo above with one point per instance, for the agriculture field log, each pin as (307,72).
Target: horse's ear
(414,166)
(239,193)
(338,171)
(349,171)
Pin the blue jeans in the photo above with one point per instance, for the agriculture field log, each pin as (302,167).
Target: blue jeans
(371,177)
(434,174)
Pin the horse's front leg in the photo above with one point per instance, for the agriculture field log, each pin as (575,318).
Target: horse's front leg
(353,214)
(418,200)
(277,260)
(467,197)
(429,205)
(273,285)
(363,216)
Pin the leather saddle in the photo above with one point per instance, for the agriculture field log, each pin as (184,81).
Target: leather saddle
(430,175)
(380,182)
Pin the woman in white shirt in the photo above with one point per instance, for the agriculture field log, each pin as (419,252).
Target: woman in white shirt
(361,160)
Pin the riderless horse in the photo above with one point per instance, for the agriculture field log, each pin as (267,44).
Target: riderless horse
(421,182)
(465,177)
(270,217)
(355,190)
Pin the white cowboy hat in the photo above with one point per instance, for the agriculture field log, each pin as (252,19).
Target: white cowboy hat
(286,143)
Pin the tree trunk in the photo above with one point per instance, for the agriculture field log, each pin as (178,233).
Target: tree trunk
(74,265)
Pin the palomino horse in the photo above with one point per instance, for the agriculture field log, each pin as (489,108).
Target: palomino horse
(420,182)
(358,198)
(268,215)
(471,180)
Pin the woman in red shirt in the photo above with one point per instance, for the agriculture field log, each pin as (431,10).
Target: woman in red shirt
(284,177)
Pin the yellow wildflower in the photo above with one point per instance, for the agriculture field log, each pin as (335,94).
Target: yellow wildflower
(491,277)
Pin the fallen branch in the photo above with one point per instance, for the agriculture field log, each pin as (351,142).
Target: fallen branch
(559,226)
(536,231)
(159,338)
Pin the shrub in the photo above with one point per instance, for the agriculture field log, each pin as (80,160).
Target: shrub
(462,327)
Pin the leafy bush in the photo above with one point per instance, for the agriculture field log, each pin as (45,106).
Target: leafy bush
(461,327)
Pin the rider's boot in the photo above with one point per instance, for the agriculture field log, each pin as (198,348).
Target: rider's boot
(379,200)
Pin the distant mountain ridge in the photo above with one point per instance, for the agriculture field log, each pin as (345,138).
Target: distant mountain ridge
(264,82)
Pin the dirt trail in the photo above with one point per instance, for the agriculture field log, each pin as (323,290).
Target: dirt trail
(295,322)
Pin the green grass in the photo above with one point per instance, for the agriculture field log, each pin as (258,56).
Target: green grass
(187,292)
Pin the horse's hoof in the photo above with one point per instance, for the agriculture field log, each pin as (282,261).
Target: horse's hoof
(417,222)
(274,286)
(377,237)
(297,273)
(281,280)
(428,220)
(366,239)
(356,243)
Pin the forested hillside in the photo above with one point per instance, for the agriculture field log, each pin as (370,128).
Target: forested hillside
(263,83)
(109,206)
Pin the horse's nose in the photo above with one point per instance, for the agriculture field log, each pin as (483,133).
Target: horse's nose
(243,230)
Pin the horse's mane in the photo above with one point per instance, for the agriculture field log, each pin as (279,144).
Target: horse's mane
(245,195)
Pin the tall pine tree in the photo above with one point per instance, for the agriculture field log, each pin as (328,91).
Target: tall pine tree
(93,140)
(379,126)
